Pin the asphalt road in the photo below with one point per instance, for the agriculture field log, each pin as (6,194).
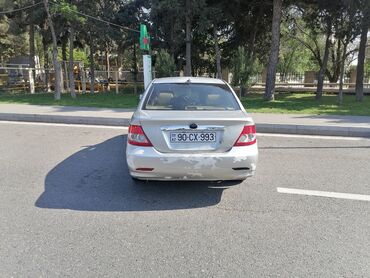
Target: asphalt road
(69,208)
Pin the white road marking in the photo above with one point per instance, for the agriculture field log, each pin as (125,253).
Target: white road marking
(64,125)
(310,136)
(327,194)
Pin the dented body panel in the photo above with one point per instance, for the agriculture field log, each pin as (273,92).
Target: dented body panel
(205,166)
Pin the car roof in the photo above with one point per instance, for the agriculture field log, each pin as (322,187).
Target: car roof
(188,79)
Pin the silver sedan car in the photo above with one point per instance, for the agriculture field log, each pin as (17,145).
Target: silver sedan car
(191,128)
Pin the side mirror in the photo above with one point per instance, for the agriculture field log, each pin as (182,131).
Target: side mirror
(140,96)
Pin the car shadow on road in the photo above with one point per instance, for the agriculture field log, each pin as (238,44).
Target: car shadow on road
(97,179)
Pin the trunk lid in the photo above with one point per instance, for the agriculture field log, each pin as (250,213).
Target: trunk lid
(224,126)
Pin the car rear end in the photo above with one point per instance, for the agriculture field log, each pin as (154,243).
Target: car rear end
(191,130)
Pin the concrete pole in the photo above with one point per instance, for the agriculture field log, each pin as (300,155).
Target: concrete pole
(147,65)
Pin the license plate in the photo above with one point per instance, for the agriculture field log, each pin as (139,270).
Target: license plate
(192,137)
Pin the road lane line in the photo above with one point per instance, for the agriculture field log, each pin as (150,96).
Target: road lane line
(311,136)
(327,194)
(64,125)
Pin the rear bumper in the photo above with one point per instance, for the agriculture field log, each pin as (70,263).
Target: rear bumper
(236,164)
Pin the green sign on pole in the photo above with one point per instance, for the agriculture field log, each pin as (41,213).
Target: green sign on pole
(144,38)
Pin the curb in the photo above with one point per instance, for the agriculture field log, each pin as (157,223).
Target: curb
(261,127)
(64,119)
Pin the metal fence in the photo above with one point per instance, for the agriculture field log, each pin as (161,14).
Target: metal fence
(302,80)
(24,78)
(21,77)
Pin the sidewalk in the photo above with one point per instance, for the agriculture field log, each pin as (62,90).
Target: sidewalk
(356,126)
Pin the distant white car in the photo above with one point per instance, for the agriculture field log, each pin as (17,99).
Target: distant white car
(191,128)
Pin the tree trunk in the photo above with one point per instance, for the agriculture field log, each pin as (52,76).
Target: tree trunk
(337,62)
(218,53)
(320,78)
(46,65)
(71,68)
(361,59)
(342,61)
(179,65)
(57,68)
(188,37)
(65,84)
(64,49)
(243,91)
(274,51)
(92,69)
(107,64)
(32,45)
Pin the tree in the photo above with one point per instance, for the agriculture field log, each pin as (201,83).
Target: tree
(46,40)
(319,20)
(215,20)
(5,40)
(131,15)
(324,33)
(69,13)
(202,35)
(248,24)
(218,53)
(170,31)
(71,63)
(188,34)
(243,69)
(324,64)
(365,26)
(165,64)
(274,51)
(32,42)
(347,31)
(294,57)
(57,68)
(45,44)
(167,17)
(13,31)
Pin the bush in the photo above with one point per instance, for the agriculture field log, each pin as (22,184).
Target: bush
(244,69)
(165,64)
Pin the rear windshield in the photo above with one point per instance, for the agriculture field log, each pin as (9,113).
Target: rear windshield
(190,96)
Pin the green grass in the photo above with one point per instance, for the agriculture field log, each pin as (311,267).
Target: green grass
(103,100)
(300,103)
(305,103)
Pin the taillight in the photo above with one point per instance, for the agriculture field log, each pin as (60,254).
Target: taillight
(137,137)
(247,137)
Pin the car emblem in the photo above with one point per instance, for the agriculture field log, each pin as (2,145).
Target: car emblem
(193,126)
